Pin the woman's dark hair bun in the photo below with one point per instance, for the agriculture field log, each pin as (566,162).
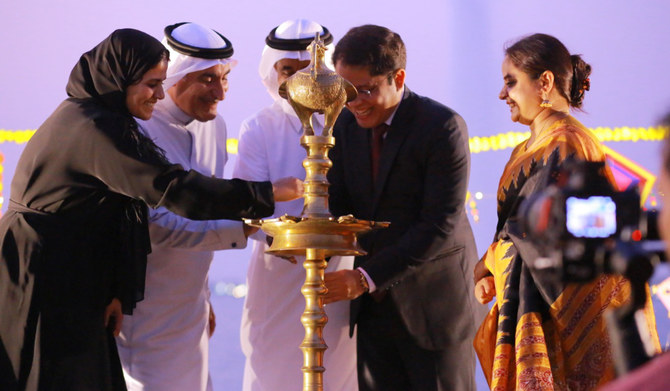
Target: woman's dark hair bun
(580,80)
(537,53)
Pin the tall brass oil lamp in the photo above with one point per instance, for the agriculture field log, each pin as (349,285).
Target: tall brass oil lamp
(316,234)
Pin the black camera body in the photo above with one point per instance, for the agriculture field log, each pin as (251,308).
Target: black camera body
(583,226)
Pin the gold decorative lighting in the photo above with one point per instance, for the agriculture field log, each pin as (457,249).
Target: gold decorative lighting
(316,234)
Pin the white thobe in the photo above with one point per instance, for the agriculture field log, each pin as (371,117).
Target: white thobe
(163,346)
(271,332)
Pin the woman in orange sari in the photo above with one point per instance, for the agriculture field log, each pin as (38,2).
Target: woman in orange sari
(542,334)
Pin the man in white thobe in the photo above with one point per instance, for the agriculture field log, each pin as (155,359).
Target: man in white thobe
(163,346)
(269,148)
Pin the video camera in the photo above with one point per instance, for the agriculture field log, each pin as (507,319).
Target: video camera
(582,228)
(585,228)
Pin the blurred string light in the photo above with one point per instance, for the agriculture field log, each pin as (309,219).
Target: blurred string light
(471,199)
(507,140)
(472,205)
(231,146)
(16,136)
(495,142)
(238,291)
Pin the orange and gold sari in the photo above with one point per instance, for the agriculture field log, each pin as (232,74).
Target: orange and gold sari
(539,336)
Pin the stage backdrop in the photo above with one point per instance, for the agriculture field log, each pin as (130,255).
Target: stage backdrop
(455,49)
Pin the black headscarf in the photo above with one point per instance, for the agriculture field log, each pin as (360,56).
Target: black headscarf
(105,72)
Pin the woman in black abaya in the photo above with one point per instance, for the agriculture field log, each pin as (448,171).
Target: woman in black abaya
(74,240)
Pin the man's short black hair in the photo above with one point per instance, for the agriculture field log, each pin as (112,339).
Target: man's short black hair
(379,49)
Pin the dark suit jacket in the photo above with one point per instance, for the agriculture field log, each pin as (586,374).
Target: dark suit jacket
(425,258)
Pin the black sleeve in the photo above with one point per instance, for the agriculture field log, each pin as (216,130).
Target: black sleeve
(199,197)
(188,194)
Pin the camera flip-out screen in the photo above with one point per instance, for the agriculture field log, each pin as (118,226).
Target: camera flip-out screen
(592,217)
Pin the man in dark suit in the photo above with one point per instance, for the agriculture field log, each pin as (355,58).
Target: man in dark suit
(403,158)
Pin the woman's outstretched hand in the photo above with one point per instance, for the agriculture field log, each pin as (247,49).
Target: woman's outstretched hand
(287,189)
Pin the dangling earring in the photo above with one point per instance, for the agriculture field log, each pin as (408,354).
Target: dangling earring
(545,103)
